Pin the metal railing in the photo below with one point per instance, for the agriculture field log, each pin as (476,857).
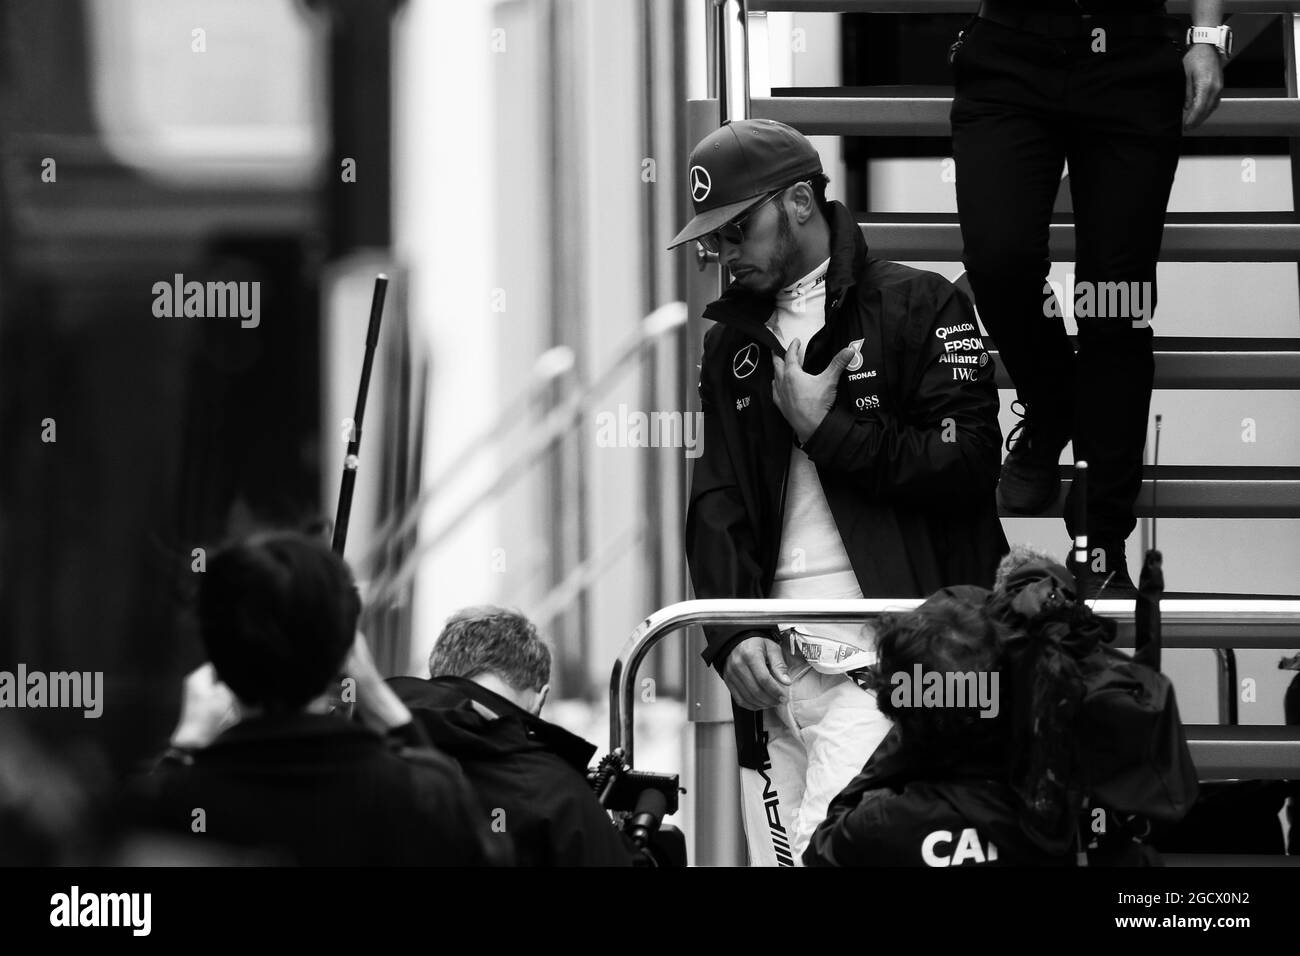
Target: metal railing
(1198,623)
(560,421)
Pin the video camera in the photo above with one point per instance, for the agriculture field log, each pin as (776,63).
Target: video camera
(643,800)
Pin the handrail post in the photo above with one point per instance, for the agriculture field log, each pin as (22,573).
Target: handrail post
(733,58)
(715,800)
(1227,682)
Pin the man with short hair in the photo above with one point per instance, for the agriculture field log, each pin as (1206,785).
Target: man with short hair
(490,674)
(851,449)
(288,779)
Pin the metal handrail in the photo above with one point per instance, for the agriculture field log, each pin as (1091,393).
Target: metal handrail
(551,366)
(556,424)
(1192,623)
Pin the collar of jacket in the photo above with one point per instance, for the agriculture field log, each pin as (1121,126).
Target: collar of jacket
(750,311)
(453,692)
(297,731)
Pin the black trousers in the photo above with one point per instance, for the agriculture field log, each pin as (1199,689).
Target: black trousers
(1024,105)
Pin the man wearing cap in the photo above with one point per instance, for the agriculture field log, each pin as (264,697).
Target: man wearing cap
(1104,85)
(851,448)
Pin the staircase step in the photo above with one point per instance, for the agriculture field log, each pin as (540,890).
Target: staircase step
(1185,362)
(900,115)
(1210,491)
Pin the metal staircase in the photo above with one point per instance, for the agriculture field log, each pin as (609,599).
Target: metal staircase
(1217,491)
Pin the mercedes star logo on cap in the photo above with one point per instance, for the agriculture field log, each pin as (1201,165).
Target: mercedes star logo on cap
(701,184)
(746,361)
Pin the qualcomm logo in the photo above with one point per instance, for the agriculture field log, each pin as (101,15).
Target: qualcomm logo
(701,183)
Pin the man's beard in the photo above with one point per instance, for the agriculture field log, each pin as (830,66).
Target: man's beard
(776,274)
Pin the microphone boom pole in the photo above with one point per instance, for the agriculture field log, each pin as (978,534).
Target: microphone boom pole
(350,460)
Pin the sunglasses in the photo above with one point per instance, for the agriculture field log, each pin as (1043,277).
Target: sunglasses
(733,231)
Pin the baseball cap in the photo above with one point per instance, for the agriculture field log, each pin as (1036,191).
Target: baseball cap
(737,166)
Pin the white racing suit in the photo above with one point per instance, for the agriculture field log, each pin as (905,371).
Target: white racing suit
(816,743)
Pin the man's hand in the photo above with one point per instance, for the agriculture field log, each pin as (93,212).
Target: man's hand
(755,673)
(1204,83)
(207,708)
(378,705)
(805,399)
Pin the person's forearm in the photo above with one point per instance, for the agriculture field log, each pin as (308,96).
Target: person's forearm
(379,706)
(1207,13)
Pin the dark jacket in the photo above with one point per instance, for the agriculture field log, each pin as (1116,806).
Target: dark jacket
(908,456)
(900,812)
(316,790)
(528,773)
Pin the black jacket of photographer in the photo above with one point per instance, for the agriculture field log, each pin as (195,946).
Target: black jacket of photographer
(948,809)
(528,773)
(316,790)
(908,456)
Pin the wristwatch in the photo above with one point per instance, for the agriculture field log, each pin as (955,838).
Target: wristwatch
(1219,37)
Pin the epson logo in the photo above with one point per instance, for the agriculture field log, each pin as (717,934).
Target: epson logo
(964,345)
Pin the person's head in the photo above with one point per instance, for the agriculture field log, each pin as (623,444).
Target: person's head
(759,196)
(937,673)
(500,650)
(277,614)
(1019,557)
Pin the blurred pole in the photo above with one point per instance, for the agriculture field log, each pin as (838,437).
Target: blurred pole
(651,500)
(719,836)
(357,198)
(733,59)
(567,474)
(360,112)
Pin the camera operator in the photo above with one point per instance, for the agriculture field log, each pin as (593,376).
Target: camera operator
(258,762)
(935,793)
(490,675)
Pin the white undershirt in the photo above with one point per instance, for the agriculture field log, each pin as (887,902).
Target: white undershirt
(812,561)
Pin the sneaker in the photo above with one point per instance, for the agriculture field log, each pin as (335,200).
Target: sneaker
(1030,481)
(1111,585)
